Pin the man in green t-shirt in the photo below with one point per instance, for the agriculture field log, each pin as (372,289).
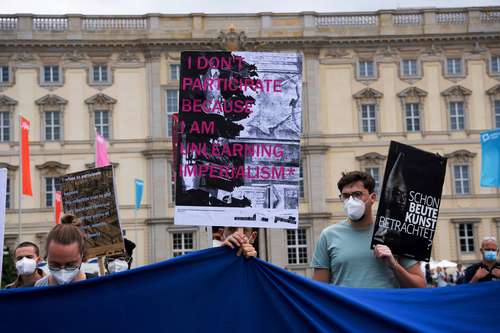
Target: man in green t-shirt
(343,256)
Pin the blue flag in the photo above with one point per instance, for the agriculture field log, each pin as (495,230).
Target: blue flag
(490,158)
(139,186)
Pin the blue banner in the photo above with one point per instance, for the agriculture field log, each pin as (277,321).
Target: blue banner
(139,186)
(490,158)
(214,290)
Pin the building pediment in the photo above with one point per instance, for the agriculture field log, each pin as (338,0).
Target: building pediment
(457,91)
(412,92)
(368,93)
(6,100)
(101,99)
(371,157)
(51,100)
(8,166)
(54,165)
(495,90)
(462,155)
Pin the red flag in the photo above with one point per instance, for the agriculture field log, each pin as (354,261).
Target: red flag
(57,206)
(25,157)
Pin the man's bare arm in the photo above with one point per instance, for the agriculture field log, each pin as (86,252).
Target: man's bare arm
(411,277)
(321,274)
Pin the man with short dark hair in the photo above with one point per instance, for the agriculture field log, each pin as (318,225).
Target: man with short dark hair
(27,258)
(343,256)
(489,268)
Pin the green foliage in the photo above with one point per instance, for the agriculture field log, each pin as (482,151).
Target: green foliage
(9,273)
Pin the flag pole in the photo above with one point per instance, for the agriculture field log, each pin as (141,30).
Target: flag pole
(19,211)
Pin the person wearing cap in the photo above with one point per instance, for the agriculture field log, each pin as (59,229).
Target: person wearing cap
(27,257)
(489,267)
(121,262)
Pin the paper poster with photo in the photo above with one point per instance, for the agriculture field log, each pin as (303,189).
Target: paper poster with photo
(90,195)
(407,214)
(238,139)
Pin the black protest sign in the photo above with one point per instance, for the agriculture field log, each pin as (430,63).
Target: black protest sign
(90,195)
(407,214)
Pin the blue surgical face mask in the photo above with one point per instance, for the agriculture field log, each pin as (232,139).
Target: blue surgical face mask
(490,255)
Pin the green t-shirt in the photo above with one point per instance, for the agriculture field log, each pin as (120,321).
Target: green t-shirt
(346,252)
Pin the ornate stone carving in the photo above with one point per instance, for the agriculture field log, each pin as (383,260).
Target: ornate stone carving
(433,50)
(25,57)
(456,91)
(51,100)
(232,40)
(460,156)
(75,56)
(128,56)
(6,100)
(371,158)
(101,99)
(412,92)
(368,93)
(336,52)
(494,91)
(388,52)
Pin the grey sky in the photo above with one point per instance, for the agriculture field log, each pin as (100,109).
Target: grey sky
(131,7)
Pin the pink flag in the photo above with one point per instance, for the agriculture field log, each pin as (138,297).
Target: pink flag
(101,152)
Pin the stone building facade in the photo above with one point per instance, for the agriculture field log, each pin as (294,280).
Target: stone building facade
(429,78)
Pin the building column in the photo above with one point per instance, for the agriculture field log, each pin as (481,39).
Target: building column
(311,93)
(157,151)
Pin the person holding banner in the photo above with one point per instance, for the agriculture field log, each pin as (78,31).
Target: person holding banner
(244,240)
(65,248)
(27,256)
(489,268)
(343,256)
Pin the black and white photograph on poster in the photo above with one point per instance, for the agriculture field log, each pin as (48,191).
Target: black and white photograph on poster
(408,211)
(238,139)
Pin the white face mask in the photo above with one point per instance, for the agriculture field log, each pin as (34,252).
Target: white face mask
(354,208)
(64,276)
(26,266)
(117,265)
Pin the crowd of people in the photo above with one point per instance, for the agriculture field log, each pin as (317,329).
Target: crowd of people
(342,256)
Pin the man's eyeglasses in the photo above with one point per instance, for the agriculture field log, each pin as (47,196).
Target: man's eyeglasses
(355,195)
(68,268)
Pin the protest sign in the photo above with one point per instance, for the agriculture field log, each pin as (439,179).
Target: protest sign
(407,214)
(238,139)
(490,158)
(90,195)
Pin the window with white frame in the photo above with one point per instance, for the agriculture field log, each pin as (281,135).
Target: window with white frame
(461,179)
(454,66)
(457,116)
(4,126)
(409,67)
(497,113)
(296,243)
(368,118)
(466,237)
(52,125)
(301,179)
(4,74)
(175,71)
(412,116)
(101,122)
(172,105)
(375,173)
(495,65)
(366,68)
(51,74)
(7,194)
(100,73)
(182,243)
(51,185)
